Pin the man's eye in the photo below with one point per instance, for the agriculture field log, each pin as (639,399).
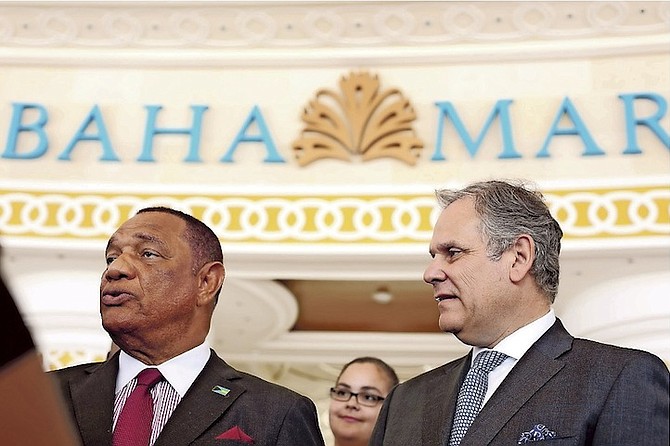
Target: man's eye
(149,254)
(109,259)
(454,252)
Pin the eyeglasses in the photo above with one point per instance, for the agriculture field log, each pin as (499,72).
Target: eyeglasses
(366,399)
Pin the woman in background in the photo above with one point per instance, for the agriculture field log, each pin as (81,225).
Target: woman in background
(356,399)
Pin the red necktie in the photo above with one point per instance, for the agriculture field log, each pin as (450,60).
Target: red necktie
(133,428)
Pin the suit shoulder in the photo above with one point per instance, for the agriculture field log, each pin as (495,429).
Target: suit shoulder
(267,388)
(588,345)
(601,353)
(73,371)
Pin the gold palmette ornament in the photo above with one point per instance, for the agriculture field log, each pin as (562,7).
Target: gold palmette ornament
(361,121)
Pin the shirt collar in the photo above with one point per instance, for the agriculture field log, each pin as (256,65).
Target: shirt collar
(517,344)
(180,371)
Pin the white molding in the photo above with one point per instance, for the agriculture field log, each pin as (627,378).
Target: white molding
(401,349)
(220,34)
(334,57)
(389,189)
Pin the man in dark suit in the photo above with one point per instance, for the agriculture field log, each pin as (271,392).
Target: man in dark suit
(494,273)
(157,295)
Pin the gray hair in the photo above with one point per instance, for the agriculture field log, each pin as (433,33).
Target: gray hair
(508,210)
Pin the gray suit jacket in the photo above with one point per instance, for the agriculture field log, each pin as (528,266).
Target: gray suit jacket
(585,392)
(270,414)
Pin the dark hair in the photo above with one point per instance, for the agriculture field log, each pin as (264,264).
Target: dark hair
(507,211)
(381,365)
(205,245)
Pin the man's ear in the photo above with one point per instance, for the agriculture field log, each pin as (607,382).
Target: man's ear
(524,256)
(210,280)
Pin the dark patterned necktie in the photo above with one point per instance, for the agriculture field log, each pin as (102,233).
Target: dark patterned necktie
(133,428)
(472,393)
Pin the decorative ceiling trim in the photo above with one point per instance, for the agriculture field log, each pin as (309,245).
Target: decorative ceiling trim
(407,349)
(190,34)
(588,214)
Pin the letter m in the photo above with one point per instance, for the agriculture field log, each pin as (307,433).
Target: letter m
(501,109)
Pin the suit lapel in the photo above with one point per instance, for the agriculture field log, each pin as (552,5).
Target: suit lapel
(93,402)
(537,366)
(441,392)
(186,424)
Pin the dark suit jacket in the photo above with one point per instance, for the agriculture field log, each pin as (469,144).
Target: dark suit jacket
(270,414)
(586,392)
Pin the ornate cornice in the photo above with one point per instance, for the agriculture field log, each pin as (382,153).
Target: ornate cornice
(603,214)
(316,33)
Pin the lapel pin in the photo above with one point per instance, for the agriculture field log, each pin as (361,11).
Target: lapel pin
(224,391)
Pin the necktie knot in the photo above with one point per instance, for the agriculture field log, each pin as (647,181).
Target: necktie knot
(149,377)
(488,360)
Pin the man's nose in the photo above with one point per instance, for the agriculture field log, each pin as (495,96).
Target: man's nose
(434,273)
(118,268)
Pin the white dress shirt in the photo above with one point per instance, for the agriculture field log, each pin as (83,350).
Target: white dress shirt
(515,346)
(179,372)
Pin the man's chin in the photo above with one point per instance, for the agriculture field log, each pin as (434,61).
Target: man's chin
(115,323)
(449,326)
(451,329)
